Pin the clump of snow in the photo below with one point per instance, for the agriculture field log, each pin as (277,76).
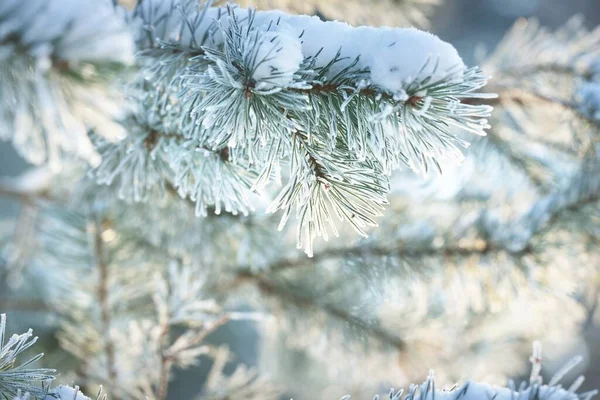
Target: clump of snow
(275,58)
(395,57)
(404,55)
(588,99)
(66,393)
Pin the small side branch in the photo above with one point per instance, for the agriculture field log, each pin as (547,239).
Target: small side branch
(102,292)
(478,247)
(26,306)
(269,287)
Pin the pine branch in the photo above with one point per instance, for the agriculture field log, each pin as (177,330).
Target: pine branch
(47,112)
(252,88)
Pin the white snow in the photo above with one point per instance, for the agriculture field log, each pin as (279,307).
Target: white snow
(276,58)
(66,393)
(394,56)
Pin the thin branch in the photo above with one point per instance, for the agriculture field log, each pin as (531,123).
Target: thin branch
(103,297)
(22,242)
(210,328)
(378,251)
(165,364)
(9,192)
(525,72)
(26,306)
(269,287)
(6,191)
(517,94)
(507,148)
(339,88)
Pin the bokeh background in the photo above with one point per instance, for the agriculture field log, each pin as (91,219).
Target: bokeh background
(472,26)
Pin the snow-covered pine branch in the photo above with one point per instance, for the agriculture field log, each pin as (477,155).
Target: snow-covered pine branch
(342,106)
(56,61)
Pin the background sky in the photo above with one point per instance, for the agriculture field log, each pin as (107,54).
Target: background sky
(469,23)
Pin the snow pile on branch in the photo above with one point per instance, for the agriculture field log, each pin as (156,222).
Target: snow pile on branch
(66,393)
(395,57)
(274,59)
(55,57)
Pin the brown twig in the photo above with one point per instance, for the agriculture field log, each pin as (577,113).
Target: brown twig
(24,197)
(380,251)
(103,297)
(26,306)
(165,364)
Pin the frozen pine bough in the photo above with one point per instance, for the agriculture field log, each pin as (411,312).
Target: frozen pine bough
(236,106)
(228,100)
